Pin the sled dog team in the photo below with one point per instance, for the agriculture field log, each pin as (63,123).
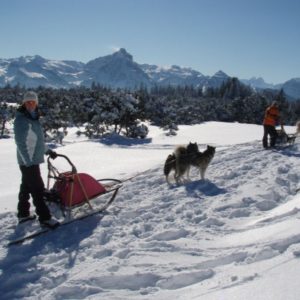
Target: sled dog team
(184,157)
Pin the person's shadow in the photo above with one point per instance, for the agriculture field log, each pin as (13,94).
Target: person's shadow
(23,263)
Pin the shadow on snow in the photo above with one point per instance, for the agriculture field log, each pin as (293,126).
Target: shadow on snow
(205,187)
(115,139)
(23,263)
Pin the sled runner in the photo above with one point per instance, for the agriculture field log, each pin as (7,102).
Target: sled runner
(72,189)
(41,231)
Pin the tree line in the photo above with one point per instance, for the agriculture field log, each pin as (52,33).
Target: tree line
(100,110)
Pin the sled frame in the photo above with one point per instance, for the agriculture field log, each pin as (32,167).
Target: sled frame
(66,210)
(284,138)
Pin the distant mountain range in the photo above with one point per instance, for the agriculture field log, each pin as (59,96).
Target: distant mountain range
(117,70)
(290,87)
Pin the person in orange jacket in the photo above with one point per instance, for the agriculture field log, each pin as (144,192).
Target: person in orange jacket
(271,119)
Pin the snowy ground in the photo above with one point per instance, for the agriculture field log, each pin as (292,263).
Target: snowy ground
(235,235)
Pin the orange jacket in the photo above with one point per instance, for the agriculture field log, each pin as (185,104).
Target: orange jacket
(271,116)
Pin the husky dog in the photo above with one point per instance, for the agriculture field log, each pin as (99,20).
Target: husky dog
(180,161)
(202,160)
(184,159)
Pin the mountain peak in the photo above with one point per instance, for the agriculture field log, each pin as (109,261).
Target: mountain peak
(220,73)
(257,80)
(122,53)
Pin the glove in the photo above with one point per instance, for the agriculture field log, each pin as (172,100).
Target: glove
(51,153)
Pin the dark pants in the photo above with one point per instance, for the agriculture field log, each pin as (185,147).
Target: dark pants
(269,130)
(32,184)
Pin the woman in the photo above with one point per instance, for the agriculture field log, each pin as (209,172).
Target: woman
(29,138)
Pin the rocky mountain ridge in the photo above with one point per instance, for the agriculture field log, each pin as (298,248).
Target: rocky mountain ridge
(117,70)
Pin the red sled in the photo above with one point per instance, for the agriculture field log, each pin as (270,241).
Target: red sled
(72,189)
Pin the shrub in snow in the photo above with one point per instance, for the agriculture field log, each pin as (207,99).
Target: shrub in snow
(138,131)
(59,136)
(171,129)
(171,132)
(6,114)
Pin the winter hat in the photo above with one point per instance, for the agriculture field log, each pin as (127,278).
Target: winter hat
(30,96)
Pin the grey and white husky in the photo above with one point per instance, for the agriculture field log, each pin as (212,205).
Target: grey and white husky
(185,157)
(202,160)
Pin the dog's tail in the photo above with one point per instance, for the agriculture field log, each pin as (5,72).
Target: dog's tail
(169,164)
(180,151)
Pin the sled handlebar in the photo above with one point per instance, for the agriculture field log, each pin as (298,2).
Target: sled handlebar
(74,170)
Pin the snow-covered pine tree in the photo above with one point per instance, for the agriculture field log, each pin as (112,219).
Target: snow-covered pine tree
(5,116)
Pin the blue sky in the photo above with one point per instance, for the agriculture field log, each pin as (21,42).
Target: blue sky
(244,38)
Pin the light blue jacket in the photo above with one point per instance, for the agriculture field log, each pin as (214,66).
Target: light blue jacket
(29,138)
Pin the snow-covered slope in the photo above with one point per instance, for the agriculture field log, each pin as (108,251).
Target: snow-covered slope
(34,71)
(292,87)
(259,83)
(233,236)
(174,75)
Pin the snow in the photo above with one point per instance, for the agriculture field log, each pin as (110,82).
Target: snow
(32,74)
(55,64)
(2,72)
(234,235)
